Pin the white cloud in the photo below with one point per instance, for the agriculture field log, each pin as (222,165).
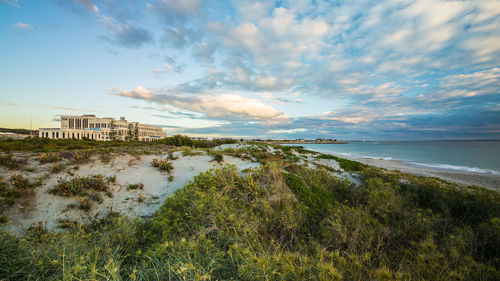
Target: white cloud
(89,5)
(23,26)
(213,105)
(285,131)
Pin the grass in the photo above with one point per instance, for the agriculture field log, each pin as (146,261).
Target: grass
(282,221)
(16,189)
(219,158)
(57,168)
(79,185)
(49,157)
(345,164)
(52,145)
(10,162)
(135,186)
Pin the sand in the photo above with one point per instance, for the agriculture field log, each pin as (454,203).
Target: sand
(128,169)
(459,177)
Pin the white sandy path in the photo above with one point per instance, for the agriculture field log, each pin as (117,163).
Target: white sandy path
(50,208)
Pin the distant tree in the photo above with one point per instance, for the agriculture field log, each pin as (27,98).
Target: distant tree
(136,132)
(130,132)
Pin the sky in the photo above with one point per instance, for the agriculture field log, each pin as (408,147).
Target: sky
(376,70)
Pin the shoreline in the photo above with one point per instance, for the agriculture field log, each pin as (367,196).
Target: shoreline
(489,181)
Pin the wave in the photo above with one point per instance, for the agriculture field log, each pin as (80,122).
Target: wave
(457,168)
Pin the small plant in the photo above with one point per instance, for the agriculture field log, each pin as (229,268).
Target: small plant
(29,170)
(76,168)
(65,223)
(49,157)
(85,204)
(105,156)
(192,152)
(171,156)
(80,156)
(79,185)
(218,158)
(10,162)
(170,178)
(135,186)
(56,168)
(111,179)
(164,165)
(38,229)
(140,198)
(96,197)
(20,182)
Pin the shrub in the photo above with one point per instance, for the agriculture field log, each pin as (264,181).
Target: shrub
(85,204)
(219,158)
(111,179)
(10,162)
(135,186)
(164,165)
(347,165)
(56,168)
(171,156)
(79,185)
(80,156)
(49,157)
(20,182)
(192,152)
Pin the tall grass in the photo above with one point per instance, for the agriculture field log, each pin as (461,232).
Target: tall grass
(281,221)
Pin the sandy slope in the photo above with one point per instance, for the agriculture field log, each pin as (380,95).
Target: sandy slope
(128,169)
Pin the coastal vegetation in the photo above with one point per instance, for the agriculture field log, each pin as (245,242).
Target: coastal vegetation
(53,145)
(290,218)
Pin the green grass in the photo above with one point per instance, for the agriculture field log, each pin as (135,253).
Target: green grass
(347,165)
(282,221)
(16,189)
(47,145)
(135,186)
(79,185)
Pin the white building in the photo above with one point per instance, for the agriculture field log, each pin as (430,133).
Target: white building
(89,126)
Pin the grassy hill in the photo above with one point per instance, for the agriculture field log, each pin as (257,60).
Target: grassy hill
(282,221)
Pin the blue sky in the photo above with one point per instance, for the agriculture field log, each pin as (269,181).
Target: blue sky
(381,70)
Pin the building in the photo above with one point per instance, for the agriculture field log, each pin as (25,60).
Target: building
(91,127)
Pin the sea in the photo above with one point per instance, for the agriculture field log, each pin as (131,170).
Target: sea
(469,156)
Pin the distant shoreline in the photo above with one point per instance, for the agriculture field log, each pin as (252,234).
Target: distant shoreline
(308,142)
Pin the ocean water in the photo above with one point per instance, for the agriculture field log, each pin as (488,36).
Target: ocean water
(470,156)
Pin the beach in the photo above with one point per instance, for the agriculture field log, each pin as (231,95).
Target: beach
(460,177)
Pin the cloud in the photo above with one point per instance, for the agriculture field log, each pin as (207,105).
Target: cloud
(175,15)
(23,26)
(74,109)
(218,106)
(125,34)
(89,5)
(13,3)
(204,52)
(174,11)
(289,131)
